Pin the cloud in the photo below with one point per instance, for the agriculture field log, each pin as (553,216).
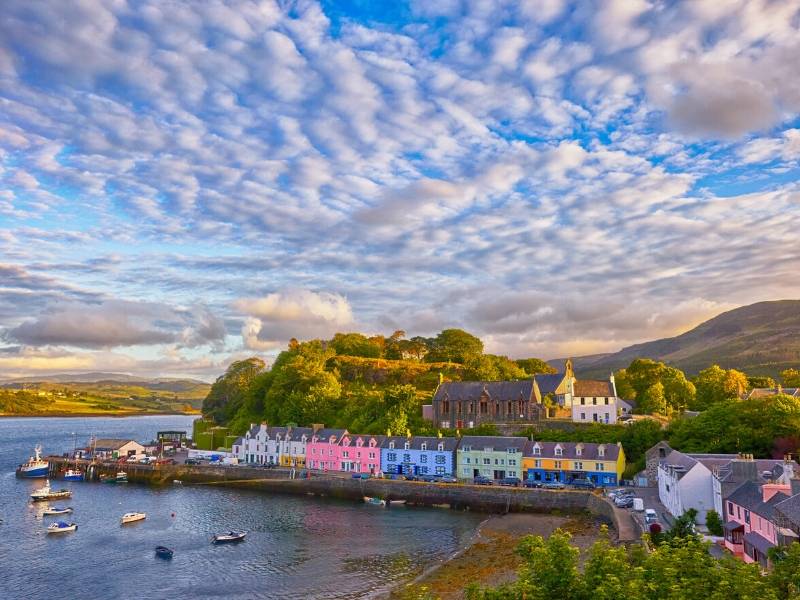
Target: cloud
(275,318)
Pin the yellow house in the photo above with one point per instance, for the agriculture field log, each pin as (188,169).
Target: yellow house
(603,464)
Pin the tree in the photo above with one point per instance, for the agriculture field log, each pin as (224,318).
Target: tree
(489,367)
(637,381)
(535,366)
(454,345)
(785,575)
(623,384)
(716,384)
(790,378)
(228,392)
(760,381)
(356,344)
(652,401)
(714,523)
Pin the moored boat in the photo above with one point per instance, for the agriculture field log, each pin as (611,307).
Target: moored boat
(227,538)
(132,517)
(374,501)
(57,510)
(121,477)
(47,493)
(73,475)
(61,527)
(396,502)
(164,552)
(35,467)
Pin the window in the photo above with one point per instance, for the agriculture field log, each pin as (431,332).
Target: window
(496,409)
(484,407)
(446,424)
(465,471)
(441,447)
(459,409)
(578,451)
(578,466)
(599,467)
(407,445)
(559,451)
(346,454)
(537,451)
(440,459)
(391,445)
(583,401)
(372,455)
(512,462)
(424,446)
(407,458)
(512,450)
(466,449)
(446,406)
(601,451)
(606,399)
(730,508)
(509,410)
(466,460)
(423,470)
(487,461)
(558,464)
(537,464)
(423,458)
(391,456)
(440,470)
(521,409)
(594,401)
(471,408)
(747,516)
(583,416)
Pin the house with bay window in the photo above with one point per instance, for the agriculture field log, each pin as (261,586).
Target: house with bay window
(490,456)
(419,455)
(603,464)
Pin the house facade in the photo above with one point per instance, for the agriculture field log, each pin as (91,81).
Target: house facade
(726,478)
(113,448)
(358,454)
(322,449)
(684,482)
(291,446)
(595,401)
(490,456)
(603,464)
(419,455)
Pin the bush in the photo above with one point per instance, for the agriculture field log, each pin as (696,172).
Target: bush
(713,522)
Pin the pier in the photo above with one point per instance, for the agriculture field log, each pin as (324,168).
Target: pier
(488,499)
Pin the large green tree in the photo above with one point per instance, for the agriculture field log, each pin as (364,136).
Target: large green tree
(716,384)
(790,377)
(534,366)
(490,367)
(356,344)
(656,387)
(454,345)
(229,391)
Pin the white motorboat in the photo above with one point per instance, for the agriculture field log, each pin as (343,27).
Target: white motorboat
(227,538)
(57,510)
(132,517)
(61,527)
(375,501)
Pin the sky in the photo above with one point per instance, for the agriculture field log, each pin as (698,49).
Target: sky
(187,183)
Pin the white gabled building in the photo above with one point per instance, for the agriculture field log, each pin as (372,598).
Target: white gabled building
(595,401)
(686,481)
(279,446)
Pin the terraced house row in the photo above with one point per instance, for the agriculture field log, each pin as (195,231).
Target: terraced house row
(495,457)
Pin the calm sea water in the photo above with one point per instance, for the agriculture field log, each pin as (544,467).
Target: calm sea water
(296,547)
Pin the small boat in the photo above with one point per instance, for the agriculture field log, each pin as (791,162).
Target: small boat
(164,552)
(397,502)
(227,538)
(177,482)
(57,510)
(375,501)
(47,493)
(61,527)
(73,475)
(121,477)
(35,467)
(132,517)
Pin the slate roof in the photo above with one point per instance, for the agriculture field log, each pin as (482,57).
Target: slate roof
(498,443)
(549,383)
(325,433)
(500,391)
(749,496)
(732,525)
(688,461)
(590,451)
(238,441)
(790,509)
(587,388)
(297,433)
(416,441)
(364,436)
(767,392)
(758,542)
(111,443)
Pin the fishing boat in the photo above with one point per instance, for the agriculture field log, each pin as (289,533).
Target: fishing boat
(228,538)
(47,493)
(164,552)
(132,517)
(61,527)
(374,501)
(73,475)
(121,477)
(35,467)
(57,510)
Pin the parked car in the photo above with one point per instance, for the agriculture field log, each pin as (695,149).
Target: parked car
(145,460)
(624,502)
(192,461)
(613,494)
(481,480)
(165,461)
(650,516)
(532,483)
(511,481)
(446,479)
(583,483)
(553,485)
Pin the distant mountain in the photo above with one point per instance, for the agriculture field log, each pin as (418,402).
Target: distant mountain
(97,377)
(759,339)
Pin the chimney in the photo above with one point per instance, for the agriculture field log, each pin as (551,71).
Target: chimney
(768,490)
(315,427)
(744,469)
(789,471)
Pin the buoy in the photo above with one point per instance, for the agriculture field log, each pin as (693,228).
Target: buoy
(173,514)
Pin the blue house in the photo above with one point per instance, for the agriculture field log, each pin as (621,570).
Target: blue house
(419,455)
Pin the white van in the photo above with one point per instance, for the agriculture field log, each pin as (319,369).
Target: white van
(650,516)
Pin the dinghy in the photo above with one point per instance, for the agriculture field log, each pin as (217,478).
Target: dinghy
(57,510)
(227,538)
(164,552)
(374,501)
(132,517)
(61,527)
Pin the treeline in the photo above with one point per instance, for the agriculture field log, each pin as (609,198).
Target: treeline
(22,401)
(366,384)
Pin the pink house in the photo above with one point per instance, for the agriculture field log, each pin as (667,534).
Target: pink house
(751,531)
(322,449)
(360,453)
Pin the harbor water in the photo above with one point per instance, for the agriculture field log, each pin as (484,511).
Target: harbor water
(296,547)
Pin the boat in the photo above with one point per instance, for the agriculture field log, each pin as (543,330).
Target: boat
(230,537)
(397,502)
(57,510)
(73,475)
(375,501)
(35,467)
(47,493)
(164,552)
(132,517)
(61,527)
(121,477)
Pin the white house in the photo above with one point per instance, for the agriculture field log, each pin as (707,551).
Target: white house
(685,481)
(280,446)
(594,401)
(115,448)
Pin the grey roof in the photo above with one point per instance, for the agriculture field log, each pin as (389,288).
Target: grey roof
(450,443)
(325,433)
(238,441)
(500,391)
(365,436)
(749,496)
(589,451)
(761,544)
(732,525)
(548,383)
(740,470)
(480,442)
(297,433)
(790,508)
(111,443)
(254,429)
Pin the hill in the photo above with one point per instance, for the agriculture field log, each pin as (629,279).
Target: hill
(759,339)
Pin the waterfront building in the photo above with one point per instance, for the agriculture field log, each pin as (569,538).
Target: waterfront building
(259,445)
(595,401)
(603,464)
(419,455)
(490,456)
(359,453)
(322,451)
(292,445)
(113,448)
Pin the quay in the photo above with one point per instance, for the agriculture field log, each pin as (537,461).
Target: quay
(488,499)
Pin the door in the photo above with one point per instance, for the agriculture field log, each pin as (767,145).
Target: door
(499,474)
(476,472)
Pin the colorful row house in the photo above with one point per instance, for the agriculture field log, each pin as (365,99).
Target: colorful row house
(278,446)
(418,455)
(494,457)
(564,462)
(322,449)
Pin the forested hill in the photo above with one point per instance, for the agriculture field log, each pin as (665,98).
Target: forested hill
(367,384)
(760,339)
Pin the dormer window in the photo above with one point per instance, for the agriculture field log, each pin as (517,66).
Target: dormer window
(601,451)
(559,451)
(441,447)
(407,445)
(578,450)
(373,443)
(537,450)
(423,446)
(391,445)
